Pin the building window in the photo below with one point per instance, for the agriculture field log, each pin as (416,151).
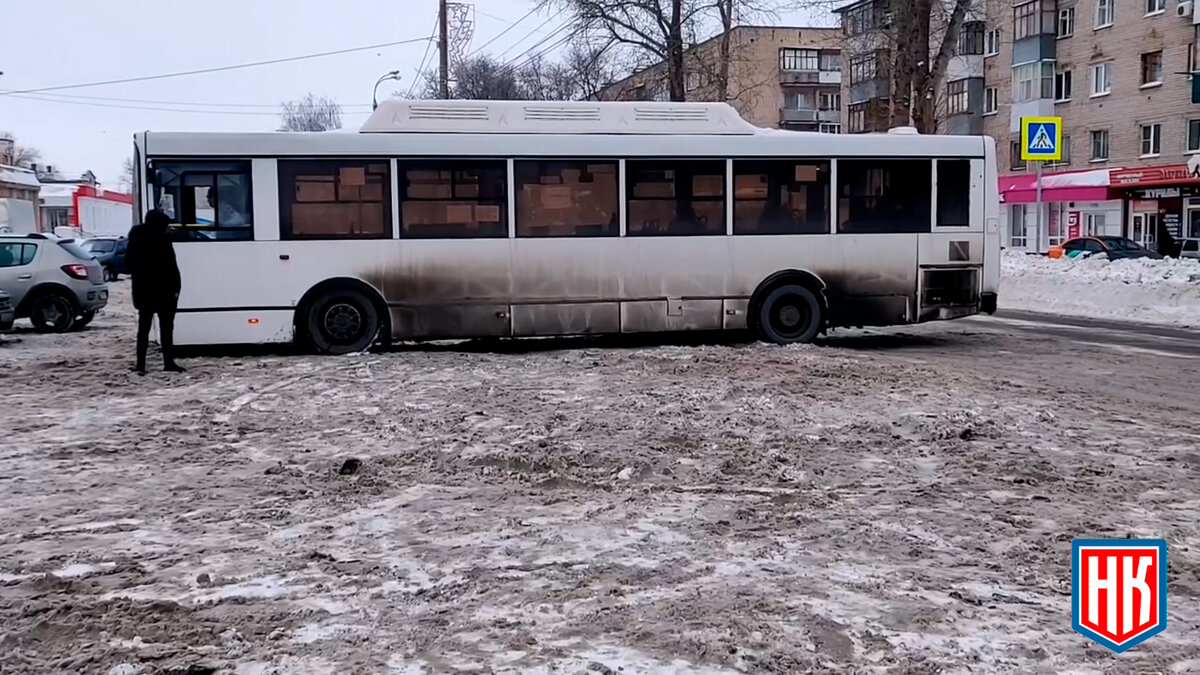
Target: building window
(831,100)
(210,197)
(829,128)
(798,100)
(1014,156)
(335,199)
(1096,224)
(992,42)
(957,101)
(1156,6)
(1101,79)
(780,197)
(860,19)
(1151,139)
(675,197)
(454,199)
(970,38)
(990,100)
(1066,22)
(864,68)
(566,199)
(1017,232)
(831,60)
(1066,153)
(1062,86)
(1105,13)
(1152,67)
(857,117)
(692,81)
(884,195)
(1193,136)
(1032,81)
(799,59)
(1100,145)
(1025,20)
(953,192)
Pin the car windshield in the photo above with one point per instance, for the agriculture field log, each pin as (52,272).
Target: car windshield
(1121,244)
(74,249)
(99,245)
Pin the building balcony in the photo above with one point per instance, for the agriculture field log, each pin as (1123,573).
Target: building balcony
(809,115)
(795,77)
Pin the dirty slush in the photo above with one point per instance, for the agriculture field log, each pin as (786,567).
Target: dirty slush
(637,509)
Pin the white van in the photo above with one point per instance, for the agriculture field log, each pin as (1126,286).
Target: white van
(17,216)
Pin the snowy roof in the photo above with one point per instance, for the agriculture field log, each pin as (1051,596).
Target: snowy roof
(556,117)
(58,190)
(15,175)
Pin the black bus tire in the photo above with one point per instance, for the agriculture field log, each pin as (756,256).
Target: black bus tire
(341,321)
(789,313)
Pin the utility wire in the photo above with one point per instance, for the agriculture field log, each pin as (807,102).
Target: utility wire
(72,98)
(212,70)
(93,104)
(530,34)
(555,45)
(424,57)
(510,27)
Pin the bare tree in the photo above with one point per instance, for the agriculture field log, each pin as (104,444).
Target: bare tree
(125,183)
(23,155)
(654,30)
(310,114)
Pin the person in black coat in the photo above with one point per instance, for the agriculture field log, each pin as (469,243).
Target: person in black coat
(150,260)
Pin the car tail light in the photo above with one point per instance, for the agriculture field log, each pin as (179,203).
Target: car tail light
(76,271)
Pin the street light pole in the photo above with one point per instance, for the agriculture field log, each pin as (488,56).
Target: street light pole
(394,75)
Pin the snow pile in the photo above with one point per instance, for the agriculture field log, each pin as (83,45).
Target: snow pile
(1163,291)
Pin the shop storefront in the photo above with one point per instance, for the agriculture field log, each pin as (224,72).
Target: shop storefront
(1074,204)
(1162,204)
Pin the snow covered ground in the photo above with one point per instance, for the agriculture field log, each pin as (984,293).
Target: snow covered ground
(898,501)
(1153,291)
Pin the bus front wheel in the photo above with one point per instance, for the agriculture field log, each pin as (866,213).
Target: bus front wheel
(789,313)
(341,321)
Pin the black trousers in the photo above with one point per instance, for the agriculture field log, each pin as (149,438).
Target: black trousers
(166,331)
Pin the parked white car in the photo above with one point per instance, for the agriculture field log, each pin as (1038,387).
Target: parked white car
(1190,249)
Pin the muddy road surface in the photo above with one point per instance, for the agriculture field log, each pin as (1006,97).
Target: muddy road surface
(895,500)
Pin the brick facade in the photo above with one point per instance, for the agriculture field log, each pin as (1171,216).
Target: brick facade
(766,89)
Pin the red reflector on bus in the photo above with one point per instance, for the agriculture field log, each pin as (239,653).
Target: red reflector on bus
(253,321)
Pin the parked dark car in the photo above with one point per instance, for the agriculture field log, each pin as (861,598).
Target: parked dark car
(110,251)
(1114,248)
(8,312)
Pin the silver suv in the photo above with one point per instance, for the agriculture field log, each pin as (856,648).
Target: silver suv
(1190,248)
(52,281)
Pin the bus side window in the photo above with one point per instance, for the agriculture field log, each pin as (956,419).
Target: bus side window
(884,195)
(954,192)
(566,198)
(205,200)
(454,199)
(335,199)
(675,197)
(780,197)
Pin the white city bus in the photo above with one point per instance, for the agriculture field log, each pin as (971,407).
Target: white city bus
(459,219)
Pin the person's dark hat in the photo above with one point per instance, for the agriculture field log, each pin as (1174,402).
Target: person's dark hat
(155,218)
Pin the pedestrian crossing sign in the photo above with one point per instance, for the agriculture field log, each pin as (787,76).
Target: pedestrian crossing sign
(1041,138)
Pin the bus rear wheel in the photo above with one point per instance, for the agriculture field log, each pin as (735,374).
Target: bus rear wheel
(341,321)
(789,313)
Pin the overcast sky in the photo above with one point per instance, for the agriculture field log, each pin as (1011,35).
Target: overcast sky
(63,42)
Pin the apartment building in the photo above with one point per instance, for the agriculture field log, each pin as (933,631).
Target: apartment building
(871,37)
(784,77)
(1119,73)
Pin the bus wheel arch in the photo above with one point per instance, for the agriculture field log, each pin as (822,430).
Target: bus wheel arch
(788,306)
(341,316)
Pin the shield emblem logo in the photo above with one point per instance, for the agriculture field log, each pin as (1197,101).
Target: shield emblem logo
(1119,590)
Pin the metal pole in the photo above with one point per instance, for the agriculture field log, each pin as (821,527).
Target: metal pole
(443,52)
(1039,204)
